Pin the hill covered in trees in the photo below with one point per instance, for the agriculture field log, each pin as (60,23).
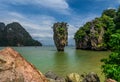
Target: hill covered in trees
(14,34)
(96,34)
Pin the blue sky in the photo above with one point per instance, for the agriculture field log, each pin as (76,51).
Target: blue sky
(38,16)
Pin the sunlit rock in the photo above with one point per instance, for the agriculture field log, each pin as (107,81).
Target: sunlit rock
(14,68)
(73,77)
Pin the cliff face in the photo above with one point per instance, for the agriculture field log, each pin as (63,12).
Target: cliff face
(60,35)
(15,35)
(93,39)
(92,35)
(14,68)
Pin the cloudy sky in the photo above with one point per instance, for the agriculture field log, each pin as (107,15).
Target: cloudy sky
(38,16)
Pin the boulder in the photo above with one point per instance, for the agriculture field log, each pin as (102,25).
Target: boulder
(52,77)
(14,68)
(110,80)
(73,77)
(91,77)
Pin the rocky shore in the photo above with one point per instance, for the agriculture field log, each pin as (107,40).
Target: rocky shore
(75,77)
(72,77)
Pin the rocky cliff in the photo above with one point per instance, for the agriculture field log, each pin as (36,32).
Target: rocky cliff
(95,34)
(14,68)
(60,35)
(14,34)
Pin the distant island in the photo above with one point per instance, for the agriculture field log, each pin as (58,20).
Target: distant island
(14,34)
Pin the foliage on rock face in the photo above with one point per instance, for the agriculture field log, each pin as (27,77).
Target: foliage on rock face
(111,67)
(97,31)
(14,34)
(60,35)
(117,20)
(109,29)
(79,34)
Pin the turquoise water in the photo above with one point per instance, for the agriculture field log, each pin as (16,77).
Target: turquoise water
(63,63)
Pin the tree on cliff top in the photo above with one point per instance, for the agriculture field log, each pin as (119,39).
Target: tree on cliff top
(60,35)
(110,12)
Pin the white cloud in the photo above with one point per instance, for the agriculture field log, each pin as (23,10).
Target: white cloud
(16,14)
(57,4)
(71,31)
(79,20)
(60,6)
(37,26)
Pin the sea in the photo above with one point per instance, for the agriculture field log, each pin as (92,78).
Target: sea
(47,58)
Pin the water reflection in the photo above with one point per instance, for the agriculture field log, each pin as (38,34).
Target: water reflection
(89,59)
(61,62)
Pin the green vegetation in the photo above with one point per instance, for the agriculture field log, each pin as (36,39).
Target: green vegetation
(97,32)
(109,12)
(111,67)
(80,34)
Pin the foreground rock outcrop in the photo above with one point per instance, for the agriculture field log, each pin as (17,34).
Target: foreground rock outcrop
(14,34)
(14,68)
(60,35)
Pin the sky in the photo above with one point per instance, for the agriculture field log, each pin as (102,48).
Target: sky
(38,16)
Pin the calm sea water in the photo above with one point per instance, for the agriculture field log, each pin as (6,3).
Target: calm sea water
(63,63)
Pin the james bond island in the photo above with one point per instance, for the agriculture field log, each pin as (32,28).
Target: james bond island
(60,35)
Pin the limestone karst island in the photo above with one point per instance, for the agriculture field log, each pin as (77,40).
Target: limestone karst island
(59,41)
